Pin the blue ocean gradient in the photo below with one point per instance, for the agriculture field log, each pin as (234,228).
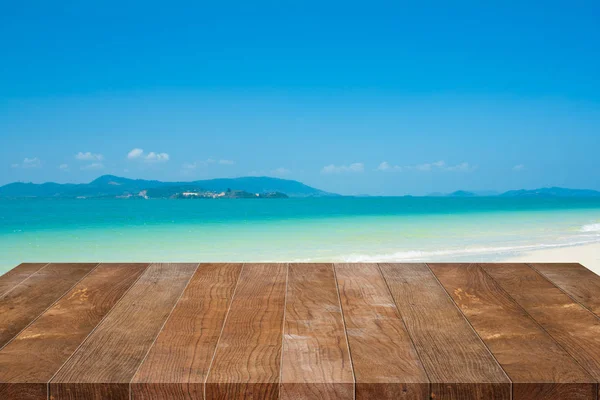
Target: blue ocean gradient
(320,229)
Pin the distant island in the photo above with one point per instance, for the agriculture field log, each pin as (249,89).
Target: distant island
(542,192)
(110,186)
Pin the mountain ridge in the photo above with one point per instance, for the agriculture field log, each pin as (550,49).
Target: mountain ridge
(111,185)
(116,186)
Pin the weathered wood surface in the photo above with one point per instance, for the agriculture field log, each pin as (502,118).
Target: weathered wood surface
(247,361)
(575,280)
(386,364)
(27,300)
(177,365)
(299,331)
(106,362)
(17,275)
(315,360)
(457,362)
(30,360)
(548,371)
(572,326)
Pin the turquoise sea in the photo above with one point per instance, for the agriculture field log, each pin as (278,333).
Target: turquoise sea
(317,229)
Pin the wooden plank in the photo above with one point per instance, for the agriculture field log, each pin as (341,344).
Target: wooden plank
(107,361)
(386,364)
(29,361)
(34,295)
(248,356)
(572,326)
(177,365)
(538,367)
(17,275)
(457,362)
(576,280)
(315,360)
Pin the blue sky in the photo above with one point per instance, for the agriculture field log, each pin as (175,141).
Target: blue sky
(352,97)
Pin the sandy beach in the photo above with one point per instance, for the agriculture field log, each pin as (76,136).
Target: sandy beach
(587,255)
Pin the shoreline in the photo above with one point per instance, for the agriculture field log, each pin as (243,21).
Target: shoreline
(587,255)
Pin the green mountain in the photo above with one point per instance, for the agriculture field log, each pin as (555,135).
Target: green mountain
(112,186)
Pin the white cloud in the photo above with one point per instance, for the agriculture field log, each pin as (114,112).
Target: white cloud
(28,163)
(519,167)
(63,167)
(464,166)
(156,157)
(226,162)
(337,169)
(93,166)
(280,171)
(386,166)
(135,153)
(426,167)
(88,156)
(152,157)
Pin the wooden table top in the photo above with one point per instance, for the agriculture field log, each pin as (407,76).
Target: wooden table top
(299,331)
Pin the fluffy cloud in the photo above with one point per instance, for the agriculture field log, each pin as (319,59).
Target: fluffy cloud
(63,167)
(519,167)
(426,167)
(386,166)
(88,156)
(156,157)
(28,163)
(135,153)
(338,169)
(152,157)
(226,162)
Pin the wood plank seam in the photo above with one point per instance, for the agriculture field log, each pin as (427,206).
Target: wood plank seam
(50,306)
(337,288)
(540,325)
(92,331)
(405,326)
(287,275)
(532,266)
(11,289)
(222,328)
(471,326)
(162,327)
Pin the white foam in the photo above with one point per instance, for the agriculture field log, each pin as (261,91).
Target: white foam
(591,228)
(452,253)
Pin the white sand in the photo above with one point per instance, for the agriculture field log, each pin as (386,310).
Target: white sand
(587,255)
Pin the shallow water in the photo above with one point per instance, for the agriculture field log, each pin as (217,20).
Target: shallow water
(325,229)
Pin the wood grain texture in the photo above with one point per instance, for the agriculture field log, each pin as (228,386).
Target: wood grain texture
(577,281)
(248,356)
(107,361)
(316,360)
(575,328)
(177,365)
(17,275)
(386,364)
(29,361)
(457,362)
(538,367)
(33,296)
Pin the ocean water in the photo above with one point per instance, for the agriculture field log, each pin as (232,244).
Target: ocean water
(320,229)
